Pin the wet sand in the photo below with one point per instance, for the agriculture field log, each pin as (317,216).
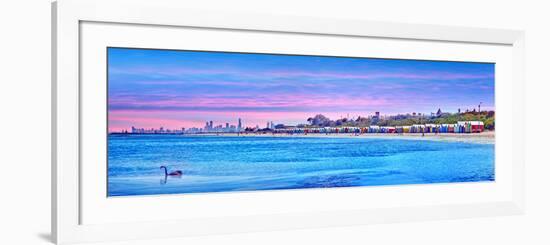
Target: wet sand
(487,137)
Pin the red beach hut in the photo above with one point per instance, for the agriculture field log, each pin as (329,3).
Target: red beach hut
(477,126)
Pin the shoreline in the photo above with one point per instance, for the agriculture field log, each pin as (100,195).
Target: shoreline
(486,137)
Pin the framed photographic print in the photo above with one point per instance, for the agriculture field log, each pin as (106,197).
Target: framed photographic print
(192,119)
(171,122)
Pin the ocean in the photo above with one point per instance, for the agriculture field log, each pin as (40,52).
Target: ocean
(226,163)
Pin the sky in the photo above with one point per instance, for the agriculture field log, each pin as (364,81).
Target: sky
(174,89)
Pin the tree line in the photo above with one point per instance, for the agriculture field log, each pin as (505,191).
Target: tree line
(319,120)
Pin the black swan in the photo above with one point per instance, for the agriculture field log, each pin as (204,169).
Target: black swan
(173,173)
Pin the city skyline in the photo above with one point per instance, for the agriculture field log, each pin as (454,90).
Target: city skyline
(226,127)
(175,89)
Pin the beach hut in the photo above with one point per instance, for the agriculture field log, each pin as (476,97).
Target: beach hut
(476,126)
(399,129)
(430,128)
(466,126)
(443,128)
(418,128)
(462,127)
(450,128)
(374,129)
(457,128)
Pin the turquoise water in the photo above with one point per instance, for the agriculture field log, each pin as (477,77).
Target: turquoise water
(219,164)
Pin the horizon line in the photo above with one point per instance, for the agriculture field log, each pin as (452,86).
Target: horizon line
(223,124)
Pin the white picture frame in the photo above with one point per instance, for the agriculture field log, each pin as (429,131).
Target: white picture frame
(68,16)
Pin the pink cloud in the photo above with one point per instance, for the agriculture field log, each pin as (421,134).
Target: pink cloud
(290,100)
(123,120)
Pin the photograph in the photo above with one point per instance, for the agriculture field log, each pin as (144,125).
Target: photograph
(169,122)
(187,121)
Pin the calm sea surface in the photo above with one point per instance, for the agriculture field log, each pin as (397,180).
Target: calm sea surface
(215,164)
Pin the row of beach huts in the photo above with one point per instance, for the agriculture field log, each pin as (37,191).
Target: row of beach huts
(459,127)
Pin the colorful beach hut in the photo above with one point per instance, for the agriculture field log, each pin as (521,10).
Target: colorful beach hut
(477,126)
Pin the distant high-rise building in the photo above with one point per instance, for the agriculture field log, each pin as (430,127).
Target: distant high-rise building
(240,125)
(226,125)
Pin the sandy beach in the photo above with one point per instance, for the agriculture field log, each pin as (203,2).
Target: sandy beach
(487,137)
